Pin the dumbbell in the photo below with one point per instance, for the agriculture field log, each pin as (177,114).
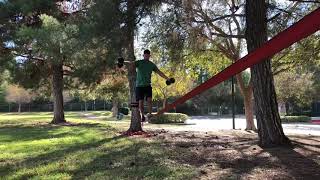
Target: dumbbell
(120,62)
(170,81)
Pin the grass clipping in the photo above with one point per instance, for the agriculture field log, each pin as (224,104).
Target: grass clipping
(167,118)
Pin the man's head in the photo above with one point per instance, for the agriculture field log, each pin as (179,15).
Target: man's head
(146,54)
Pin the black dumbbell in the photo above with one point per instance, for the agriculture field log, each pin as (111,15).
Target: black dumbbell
(170,81)
(120,62)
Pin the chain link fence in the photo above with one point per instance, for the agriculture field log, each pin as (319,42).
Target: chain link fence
(48,107)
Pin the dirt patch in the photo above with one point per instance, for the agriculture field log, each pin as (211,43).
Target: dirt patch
(236,155)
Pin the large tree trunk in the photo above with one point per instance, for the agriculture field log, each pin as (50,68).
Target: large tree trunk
(246,92)
(57,88)
(115,108)
(248,106)
(269,125)
(135,124)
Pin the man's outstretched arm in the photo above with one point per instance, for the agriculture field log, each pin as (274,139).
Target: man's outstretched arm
(122,62)
(161,74)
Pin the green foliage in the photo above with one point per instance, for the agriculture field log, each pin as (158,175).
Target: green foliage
(9,7)
(85,95)
(295,119)
(114,86)
(297,73)
(303,55)
(169,118)
(183,83)
(295,87)
(2,94)
(206,64)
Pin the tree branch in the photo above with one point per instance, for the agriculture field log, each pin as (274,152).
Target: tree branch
(228,35)
(306,1)
(29,57)
(274,17)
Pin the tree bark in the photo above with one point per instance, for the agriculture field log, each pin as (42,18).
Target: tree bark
(164,103)
(247,100)
(269,125)
(19,109)
(85,106)
(115,109)
(248,106)
(135,124)
(57,88)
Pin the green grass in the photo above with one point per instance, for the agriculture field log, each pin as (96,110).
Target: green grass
(31,148)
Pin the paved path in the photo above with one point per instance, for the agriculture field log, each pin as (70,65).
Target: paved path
(207,123)
(211,123)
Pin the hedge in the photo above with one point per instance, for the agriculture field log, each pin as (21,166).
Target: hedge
(169,118)
(124,111)
(295,119)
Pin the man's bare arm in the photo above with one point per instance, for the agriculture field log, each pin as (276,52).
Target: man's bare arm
(161,74)
(122,62)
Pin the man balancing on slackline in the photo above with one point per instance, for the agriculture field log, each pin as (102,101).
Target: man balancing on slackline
(144,69)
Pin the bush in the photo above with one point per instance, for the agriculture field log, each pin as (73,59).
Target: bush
(169,118)
(295,119)
(124,111)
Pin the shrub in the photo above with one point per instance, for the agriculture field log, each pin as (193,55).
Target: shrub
(124,111)
(295,119)
(169,118)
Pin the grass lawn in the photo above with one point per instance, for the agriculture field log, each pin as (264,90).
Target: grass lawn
(32,148)
(92,148)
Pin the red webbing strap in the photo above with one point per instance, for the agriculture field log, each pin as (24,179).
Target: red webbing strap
(303,28)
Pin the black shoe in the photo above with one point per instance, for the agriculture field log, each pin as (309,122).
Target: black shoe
(143,119)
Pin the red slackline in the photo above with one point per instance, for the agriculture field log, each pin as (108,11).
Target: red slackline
(303,28)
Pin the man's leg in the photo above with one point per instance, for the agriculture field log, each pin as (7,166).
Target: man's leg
(141,108)
(149,102)
(139,98)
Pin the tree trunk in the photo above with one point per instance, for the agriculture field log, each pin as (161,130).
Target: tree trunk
(248,106)
(247,100)
(57,88)
(135,124)
(164,103)
(19,109)
(269,125)
(85,106)
(115,109)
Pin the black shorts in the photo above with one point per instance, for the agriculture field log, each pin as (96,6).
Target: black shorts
(143,92)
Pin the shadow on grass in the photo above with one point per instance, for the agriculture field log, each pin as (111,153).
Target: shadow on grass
(51,156)
(130,162)
(136,160)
